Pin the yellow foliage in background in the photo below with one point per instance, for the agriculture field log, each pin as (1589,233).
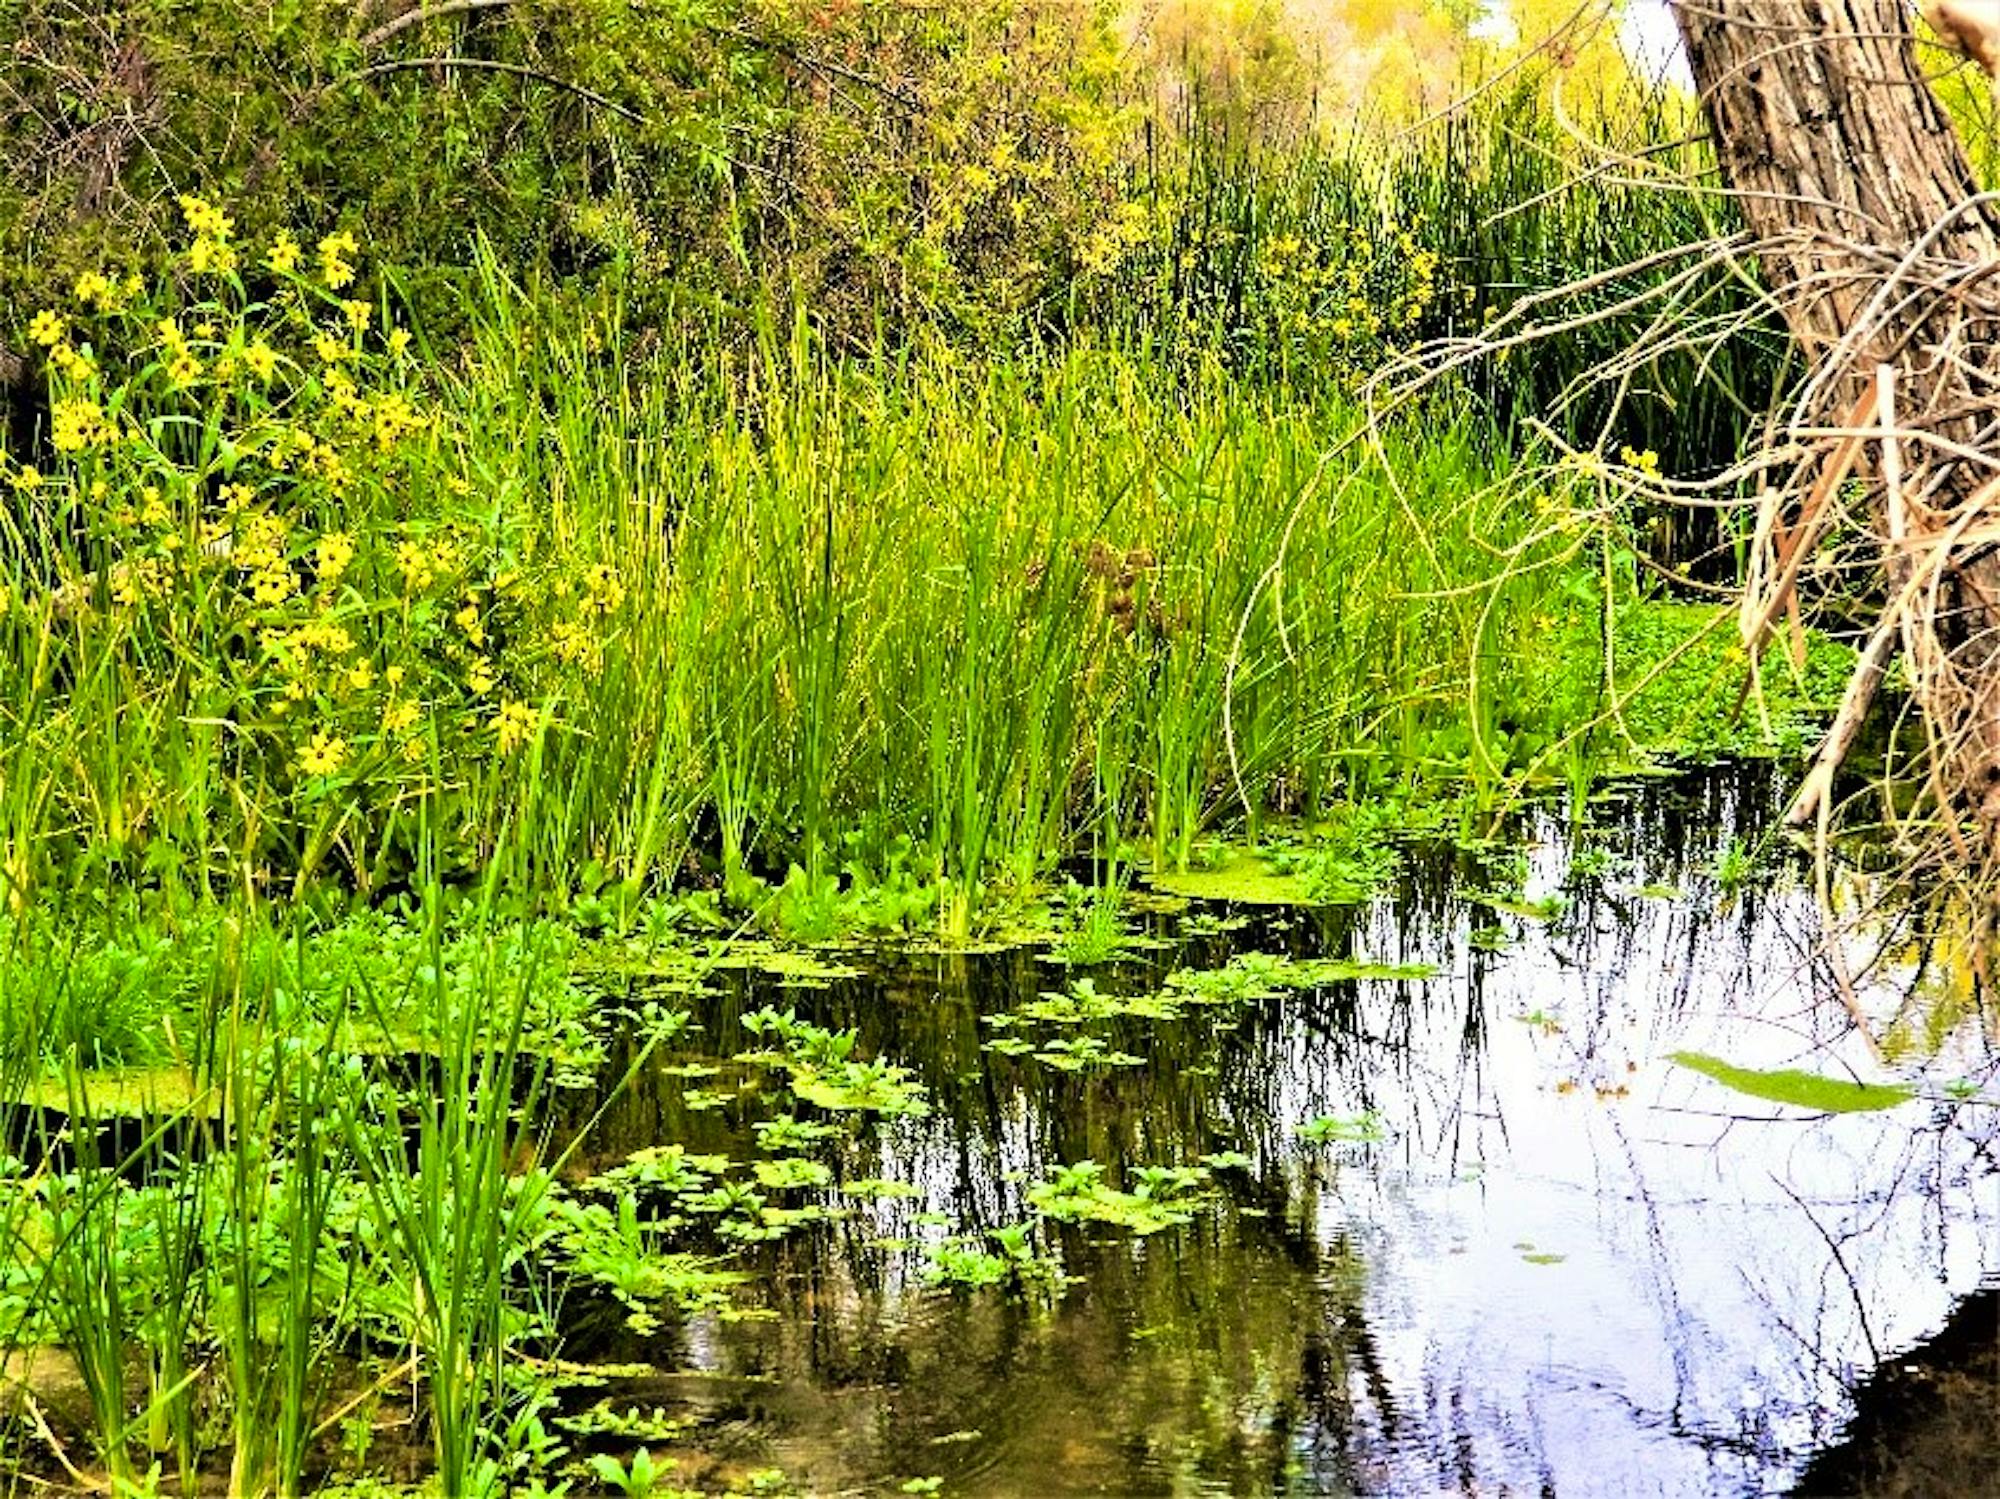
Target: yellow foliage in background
(1278,66)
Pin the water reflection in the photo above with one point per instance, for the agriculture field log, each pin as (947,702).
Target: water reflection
(1571,1267)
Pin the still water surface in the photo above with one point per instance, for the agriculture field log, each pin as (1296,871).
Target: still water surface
(1568,1265)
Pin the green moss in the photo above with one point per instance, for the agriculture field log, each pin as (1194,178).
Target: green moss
(1243,877)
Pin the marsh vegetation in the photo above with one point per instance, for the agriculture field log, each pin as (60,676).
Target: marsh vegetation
(754,750)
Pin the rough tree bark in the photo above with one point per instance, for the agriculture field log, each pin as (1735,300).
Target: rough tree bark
(1876,244)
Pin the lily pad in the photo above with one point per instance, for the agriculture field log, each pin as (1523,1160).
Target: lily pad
(1789,1085)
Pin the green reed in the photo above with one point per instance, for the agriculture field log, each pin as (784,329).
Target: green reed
(1003,609)
(1262,242)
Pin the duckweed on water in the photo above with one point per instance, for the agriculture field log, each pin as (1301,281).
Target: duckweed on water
(962,1263)
(1246,977)
(1256,975)
(1335,1129)
(824,1073)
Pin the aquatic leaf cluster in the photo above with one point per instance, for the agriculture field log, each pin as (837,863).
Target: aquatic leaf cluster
(824,1072)
(1156,1198)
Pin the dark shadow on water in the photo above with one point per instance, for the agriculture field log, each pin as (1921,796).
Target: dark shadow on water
(1927,1421)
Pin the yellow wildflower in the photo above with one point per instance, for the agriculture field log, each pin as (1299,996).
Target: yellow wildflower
(572,643)
(603,590)
(75,363)
(260,360)
(398,714)
(93,290)
(336,268)
(328,636)
(479,676)
(323,754)
(414,563)
(204,218)
(48,329)
(514,725)
(77,425)
(208,256)
(361,675)
(273,585)
(357,314)
(399,342)
(1647,462)
(394,675)
(331,555)
(283,256)
(468,621)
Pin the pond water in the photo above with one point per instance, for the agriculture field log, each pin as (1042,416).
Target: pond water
(1523,1251)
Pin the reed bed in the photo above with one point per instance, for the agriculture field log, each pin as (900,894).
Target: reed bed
(785,609)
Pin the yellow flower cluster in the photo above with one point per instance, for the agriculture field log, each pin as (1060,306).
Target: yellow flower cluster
(399,715)
(336,260)
(257,549)
(77,425)
(1647,462)
(385,637)
(1376,283)
(385,418)
(603,589)
(140,578)
(514,725)
(331,555)
(212,252)
(176,354)
(98,293)
(575,645)
(422,565)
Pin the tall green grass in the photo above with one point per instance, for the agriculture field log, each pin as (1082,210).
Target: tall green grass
(1260,244)
(229,1254)
(973,616)
(1008,609)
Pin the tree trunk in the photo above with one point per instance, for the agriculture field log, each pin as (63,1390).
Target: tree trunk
(1874,243)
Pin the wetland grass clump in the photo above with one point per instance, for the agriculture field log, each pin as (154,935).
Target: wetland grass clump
(794,616)
(233,1275)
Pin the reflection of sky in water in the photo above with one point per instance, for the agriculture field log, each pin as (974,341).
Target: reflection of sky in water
(1728,1266)
(1717,1271)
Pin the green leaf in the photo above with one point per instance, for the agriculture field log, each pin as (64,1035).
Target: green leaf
(1805,1090)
